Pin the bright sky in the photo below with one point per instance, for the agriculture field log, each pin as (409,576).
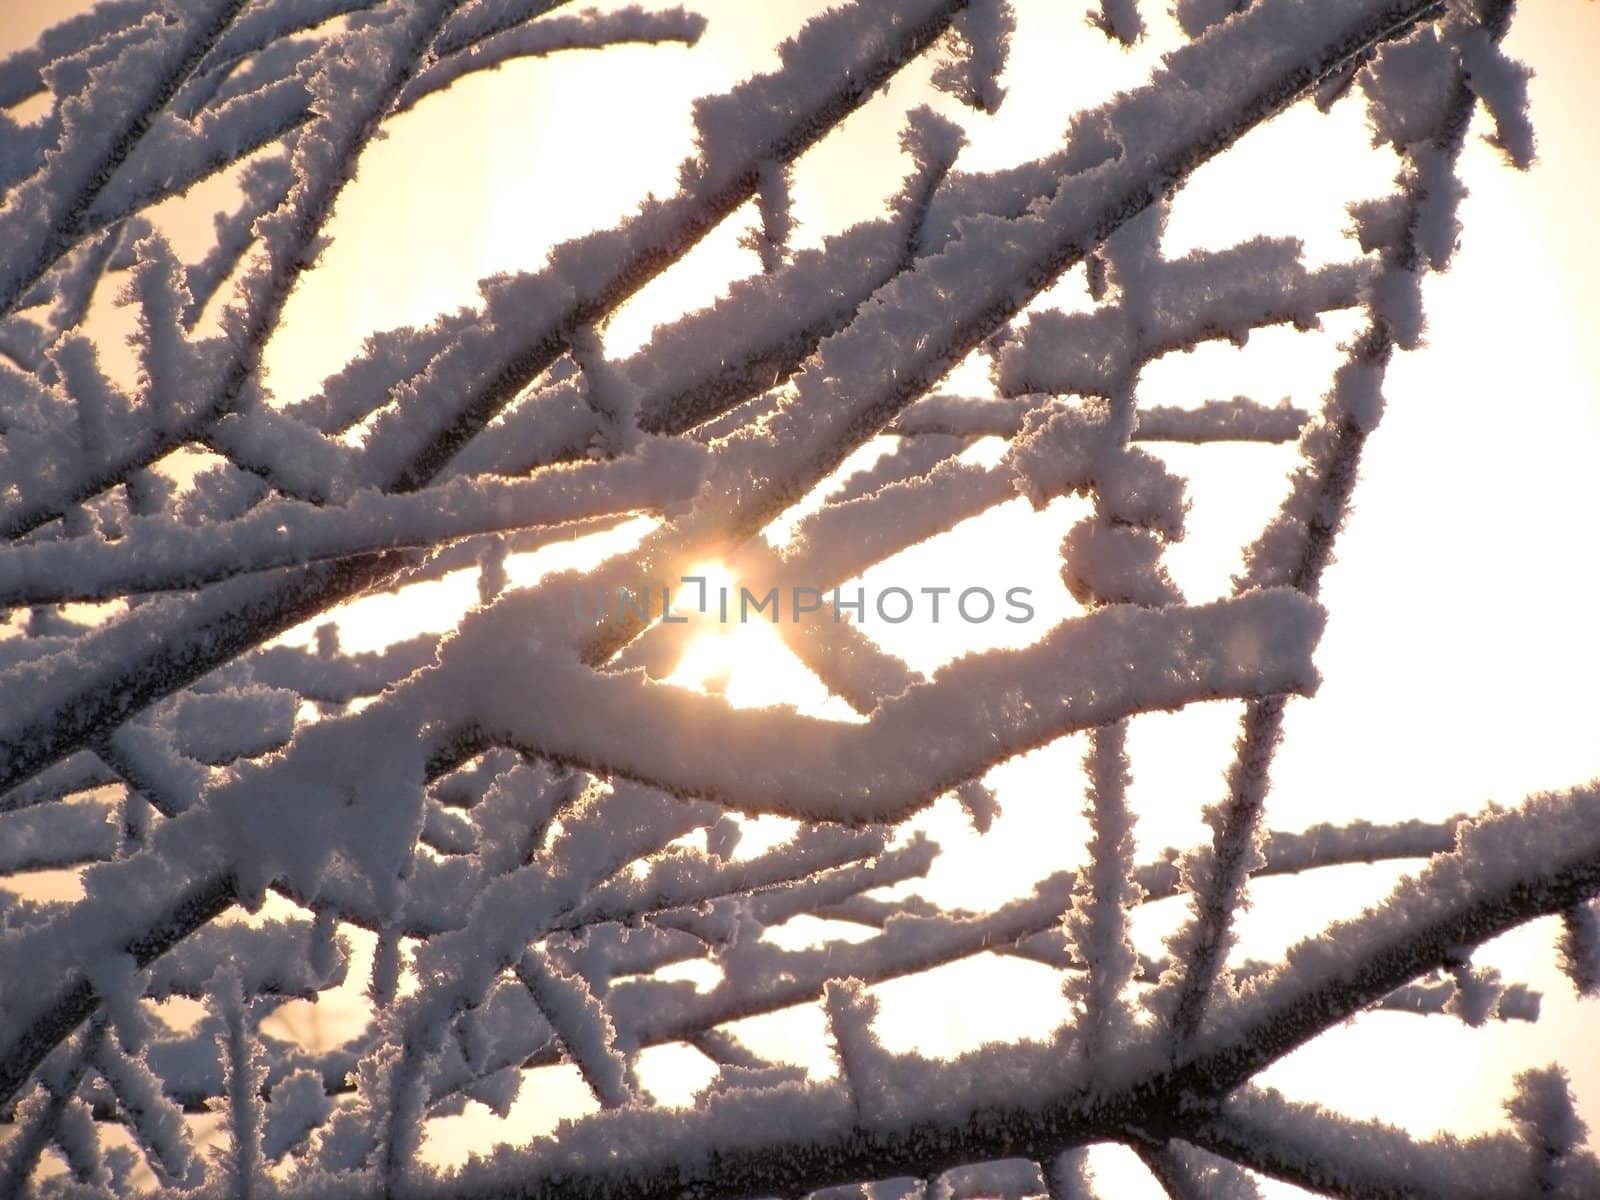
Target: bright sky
(1460,654)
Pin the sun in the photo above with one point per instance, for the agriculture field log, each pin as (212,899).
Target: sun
(708,662)
(743,660)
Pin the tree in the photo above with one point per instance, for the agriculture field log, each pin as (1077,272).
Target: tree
(527,819)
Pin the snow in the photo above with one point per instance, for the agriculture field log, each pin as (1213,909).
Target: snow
(219,727)
(1120,19)
(770,117)
(914,746)
(1310,1145)
(1105,896)
(1502,85)
(481,19)
(977,56)
(582,1024)
(1205,295)
(1197,16)
(101,125)
(175,153)
(1580,947)
(243,1075)
(158,1123)
(270,958)
(262,24)
(548,844)
(586,30)
(1065,448)
(1106,563)
(772,199)
(1239,419)
(154,555)
(56,835)
(298,1105)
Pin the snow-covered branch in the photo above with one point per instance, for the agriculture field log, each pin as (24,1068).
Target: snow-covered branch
(513,843)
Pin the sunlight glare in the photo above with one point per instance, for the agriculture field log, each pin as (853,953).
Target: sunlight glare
(577,553)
